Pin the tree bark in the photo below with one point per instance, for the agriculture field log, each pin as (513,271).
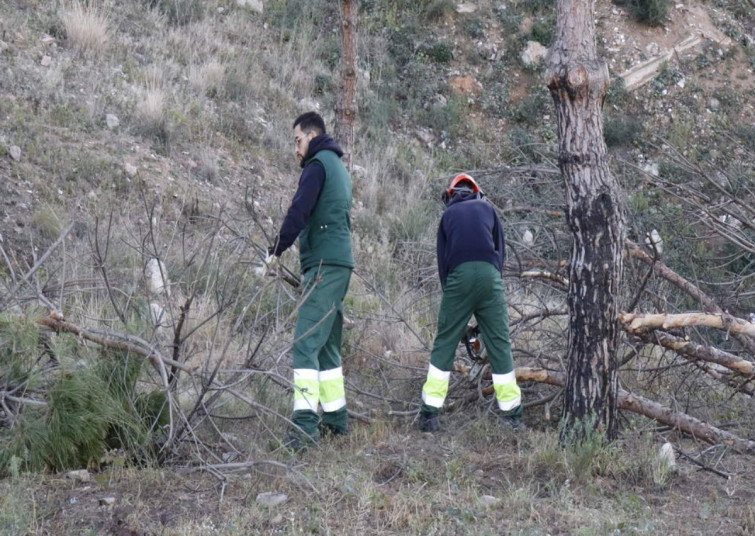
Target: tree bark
(346,109)
(578,83)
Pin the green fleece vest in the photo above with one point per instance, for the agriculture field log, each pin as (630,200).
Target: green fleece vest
(327,237)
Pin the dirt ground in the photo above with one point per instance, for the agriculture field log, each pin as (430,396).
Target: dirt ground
(388,478)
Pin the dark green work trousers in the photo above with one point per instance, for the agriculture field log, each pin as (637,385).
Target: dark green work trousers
(318,377)
(473,288)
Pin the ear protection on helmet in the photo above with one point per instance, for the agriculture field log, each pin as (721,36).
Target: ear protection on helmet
(462,182)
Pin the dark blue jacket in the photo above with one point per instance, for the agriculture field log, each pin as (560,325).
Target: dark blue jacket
(307,194)
(469,231)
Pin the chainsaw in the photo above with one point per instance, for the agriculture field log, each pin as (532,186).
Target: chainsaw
(475,350)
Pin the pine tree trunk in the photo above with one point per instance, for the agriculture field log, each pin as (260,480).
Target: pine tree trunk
(346,109)
(578,82)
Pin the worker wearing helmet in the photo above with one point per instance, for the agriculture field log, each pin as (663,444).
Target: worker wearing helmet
(470,249)
(319,218)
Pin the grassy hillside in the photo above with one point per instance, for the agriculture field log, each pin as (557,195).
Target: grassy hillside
(161,129)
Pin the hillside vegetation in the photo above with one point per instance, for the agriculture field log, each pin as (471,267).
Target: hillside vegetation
(146,162)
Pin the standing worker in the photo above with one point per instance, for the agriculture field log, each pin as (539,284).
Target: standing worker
(319,217)
(471,251)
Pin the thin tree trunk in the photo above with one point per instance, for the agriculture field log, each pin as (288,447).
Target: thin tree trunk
(346,109)
(578,83)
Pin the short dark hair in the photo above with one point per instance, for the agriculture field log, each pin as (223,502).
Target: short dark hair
(311,121)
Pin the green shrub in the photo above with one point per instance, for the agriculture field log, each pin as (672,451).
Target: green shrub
(87,406)
(531,109)
(617,92)
(538,6)
(324,84)
(402,43)
(746,133)
(621,131)
(586,450)
(510,20)
(526,144)
(180,12)
(449,117)
(543,29)
(438,9)
(651,12)
(440,52)
(474,28)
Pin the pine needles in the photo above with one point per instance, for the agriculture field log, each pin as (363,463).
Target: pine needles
(68,413)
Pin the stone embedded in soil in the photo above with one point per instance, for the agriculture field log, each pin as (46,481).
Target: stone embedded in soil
(272,499)
(112,121)
(107,501)
(490,501)
(80,475)
(46,61)
(533,53)
(15,152)
(254,5)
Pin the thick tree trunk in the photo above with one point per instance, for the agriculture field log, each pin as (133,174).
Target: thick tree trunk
(346,109)
(578,83)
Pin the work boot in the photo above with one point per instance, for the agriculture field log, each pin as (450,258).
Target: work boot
(428,422)
(328,430)
(335,423)
(296,443)
(513,423)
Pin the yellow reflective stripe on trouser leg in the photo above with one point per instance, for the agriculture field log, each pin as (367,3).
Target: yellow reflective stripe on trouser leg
(306,389)
(507,392)
(436,386)
(332,392)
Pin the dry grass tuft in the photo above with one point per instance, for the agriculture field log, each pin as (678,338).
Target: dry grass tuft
(151,112)
(86,25)
(209,78)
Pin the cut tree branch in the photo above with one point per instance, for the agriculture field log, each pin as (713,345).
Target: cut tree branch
(735,326)
(693,290)
(152,354)
(690,349)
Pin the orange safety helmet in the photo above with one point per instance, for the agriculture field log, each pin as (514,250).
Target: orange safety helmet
(460,179)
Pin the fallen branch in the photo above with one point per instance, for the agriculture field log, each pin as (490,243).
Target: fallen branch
(700,464)
(671,276)
(649,408)
(39,263)
(548,276)
(690,288)
(689,349)
(224,468)
(639,322)
(21,400)
(152,354)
